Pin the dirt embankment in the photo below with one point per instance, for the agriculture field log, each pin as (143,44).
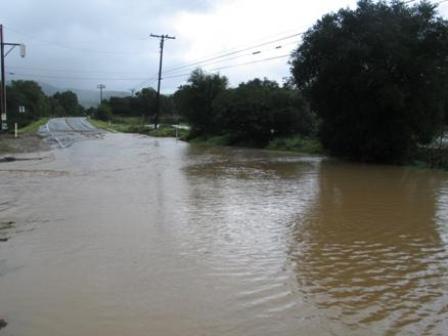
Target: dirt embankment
(26,143)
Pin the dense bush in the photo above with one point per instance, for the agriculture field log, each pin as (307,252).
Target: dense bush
(252,113)
(103,112)
(377,77)
(30,95)
(258,110)
(195,101)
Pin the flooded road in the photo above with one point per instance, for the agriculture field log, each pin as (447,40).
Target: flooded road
(131,235)
(63,132)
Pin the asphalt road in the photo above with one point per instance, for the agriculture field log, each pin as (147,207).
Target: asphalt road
(63,132)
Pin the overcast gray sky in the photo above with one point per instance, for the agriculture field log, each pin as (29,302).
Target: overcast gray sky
(78,44)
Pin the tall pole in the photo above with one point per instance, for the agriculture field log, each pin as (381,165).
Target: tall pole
(3,84)
(3,124)
(101,87)
(162,44)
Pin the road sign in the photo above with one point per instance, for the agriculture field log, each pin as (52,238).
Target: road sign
(22,109)
(3,116)
(4,126)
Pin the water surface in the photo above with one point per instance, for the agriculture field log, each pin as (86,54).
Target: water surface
(131,235)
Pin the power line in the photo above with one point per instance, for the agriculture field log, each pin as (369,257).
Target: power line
(233,65)
(154,79)
(63,46)
(207,60)
(232,52)
(76,78)
(72,71)
(223,57)
(129,72)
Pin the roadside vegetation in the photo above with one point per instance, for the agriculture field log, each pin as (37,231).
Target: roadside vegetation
(137,125)
(33,127)
(38,105)
(367,84)
(27,141)
(377,77)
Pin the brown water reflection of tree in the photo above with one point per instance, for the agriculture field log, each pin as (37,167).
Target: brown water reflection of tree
(369,252)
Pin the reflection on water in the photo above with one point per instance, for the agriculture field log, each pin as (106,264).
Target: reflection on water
(369,252)
(141,236)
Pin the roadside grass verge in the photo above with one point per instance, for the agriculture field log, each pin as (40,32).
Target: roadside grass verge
(28,140)
(33,127)
(108,126)
(431,157)
(217,140)
(4,147)
(134,125)
(296,144)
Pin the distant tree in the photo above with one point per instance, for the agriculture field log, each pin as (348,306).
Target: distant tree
(377,77)
(122,106)
(103,112)
(56,107)
(66,103)
(90,111)
(194,100)
(30,95)
(146,102)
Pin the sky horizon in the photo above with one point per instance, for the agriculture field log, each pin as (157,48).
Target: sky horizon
(79,44)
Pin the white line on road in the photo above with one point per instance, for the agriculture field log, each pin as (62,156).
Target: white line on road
(54,136)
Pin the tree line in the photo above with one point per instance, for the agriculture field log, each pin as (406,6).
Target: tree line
(37,104)
(370,83)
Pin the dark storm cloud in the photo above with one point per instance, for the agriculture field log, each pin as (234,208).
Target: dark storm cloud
(88,38)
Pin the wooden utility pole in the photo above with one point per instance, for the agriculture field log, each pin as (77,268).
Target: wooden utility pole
(162,43)
(3,121)
(3,84)
(101,87)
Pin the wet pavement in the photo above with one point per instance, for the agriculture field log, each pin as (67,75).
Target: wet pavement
(128,234)
(63,132)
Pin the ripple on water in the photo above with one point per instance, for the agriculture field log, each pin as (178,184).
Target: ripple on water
(226,242)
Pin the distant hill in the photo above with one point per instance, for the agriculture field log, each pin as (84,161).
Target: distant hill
(86,98)
(89,98)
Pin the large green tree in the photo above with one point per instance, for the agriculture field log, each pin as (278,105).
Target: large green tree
(257,110)
(66,104)
(30,95)
(195,100)
(377,77)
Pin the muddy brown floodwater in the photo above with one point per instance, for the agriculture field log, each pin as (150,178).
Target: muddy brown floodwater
(131,235)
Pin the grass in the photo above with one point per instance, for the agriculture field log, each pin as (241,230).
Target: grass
(28,140)
(102,124)
(217,140)
(5,148)
(430,157)
(134,125)
(123,125)
(296,144)
(33,127)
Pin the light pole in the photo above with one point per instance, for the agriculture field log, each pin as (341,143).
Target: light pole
(3,118)
(101,87)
